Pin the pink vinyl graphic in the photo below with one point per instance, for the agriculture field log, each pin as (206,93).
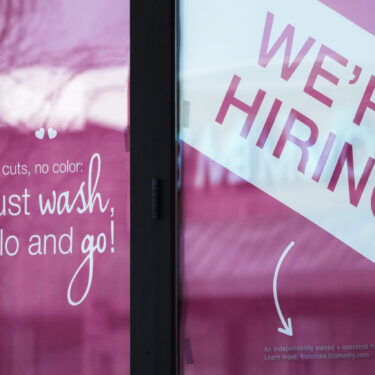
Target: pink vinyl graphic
(276,117)
(64,176)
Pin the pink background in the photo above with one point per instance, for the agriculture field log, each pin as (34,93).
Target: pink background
(233,235)
(58,58)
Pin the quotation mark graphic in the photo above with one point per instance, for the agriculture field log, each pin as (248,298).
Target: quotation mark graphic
(52,133)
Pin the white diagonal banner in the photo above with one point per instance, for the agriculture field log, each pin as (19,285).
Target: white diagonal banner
(280,93)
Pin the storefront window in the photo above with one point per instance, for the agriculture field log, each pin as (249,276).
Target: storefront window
(64,177)
(277,164)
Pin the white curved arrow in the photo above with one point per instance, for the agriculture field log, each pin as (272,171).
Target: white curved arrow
(287,327)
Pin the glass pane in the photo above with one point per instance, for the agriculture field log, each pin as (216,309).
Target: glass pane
(277,163)
(64,177)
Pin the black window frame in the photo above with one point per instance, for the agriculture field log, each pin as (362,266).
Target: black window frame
(153,182)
